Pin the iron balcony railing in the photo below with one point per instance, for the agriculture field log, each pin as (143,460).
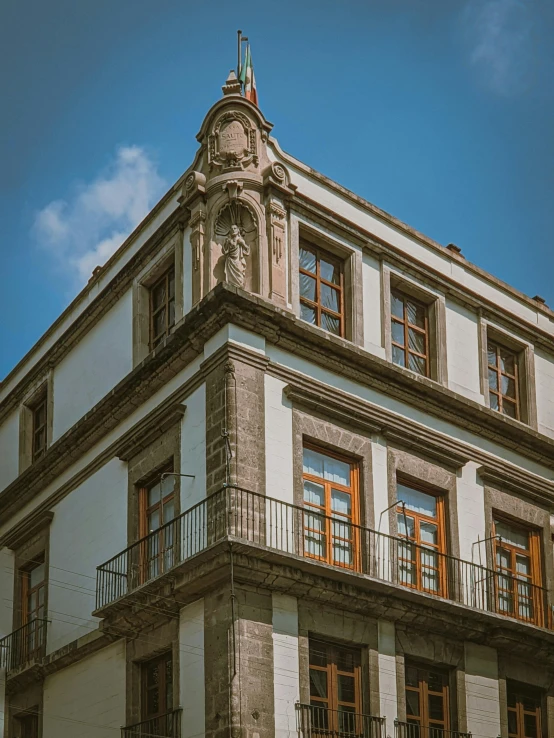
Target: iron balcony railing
(413,730)
(163,726)
(24,645)
(301,531)
(314,721)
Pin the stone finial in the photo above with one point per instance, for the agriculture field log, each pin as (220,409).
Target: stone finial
(232,85)
(540,299)
(454,249)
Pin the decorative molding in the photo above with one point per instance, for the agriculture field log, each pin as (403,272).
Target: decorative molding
(27,528)
(232,142)
(513,479)
(147,430)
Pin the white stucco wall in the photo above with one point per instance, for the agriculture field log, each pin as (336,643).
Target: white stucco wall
(9,449)
(191,664)
(278,434)
(87,699)
(387,672)
(193,449)
(471,514)
(462,351)
(286,676)
(94,366)
(89,527)
(380,483)
(544,373)
(482,694)
(371,277)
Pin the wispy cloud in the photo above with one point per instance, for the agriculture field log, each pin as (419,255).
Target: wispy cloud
(500,34)
(84,230)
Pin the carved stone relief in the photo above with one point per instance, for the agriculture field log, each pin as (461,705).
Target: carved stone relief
(232,142)
(277,257)
(197,225)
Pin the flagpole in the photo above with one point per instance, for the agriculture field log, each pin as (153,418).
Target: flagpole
(239,40)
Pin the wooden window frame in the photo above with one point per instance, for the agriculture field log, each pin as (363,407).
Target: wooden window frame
(318,252)
(165,279)
(534,580)
(519,694)
(145,536)
(332,702)
(497,369)
(162,685)
(35,637)
(404,321)
(27,723)
(41,403)
(423,721)
(353,490)
(441,547)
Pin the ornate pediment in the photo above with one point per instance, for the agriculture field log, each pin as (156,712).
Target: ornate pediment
(232,141)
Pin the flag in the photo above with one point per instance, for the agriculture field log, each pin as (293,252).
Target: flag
(247,78)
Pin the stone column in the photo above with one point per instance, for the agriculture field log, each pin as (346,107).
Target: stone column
(277,257)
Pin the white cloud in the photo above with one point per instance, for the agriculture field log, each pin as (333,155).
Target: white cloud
(83,231)
(501,39)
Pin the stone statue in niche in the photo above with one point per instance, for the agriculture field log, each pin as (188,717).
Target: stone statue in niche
(236,230)
(235,250)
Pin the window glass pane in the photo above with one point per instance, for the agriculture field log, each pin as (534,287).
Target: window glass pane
(330,298)
(428,533)
(171,285)
(494,402)
(511,534)
(509,409)
(507,361)
(307,260)
(530,726)
(154,494)
(329,271)
(411,676)
(307,287)
(397,306)
(346,688)
(417,364)
(416,341)
(523,565)
(154,521)
(159,323)
(493,380)
(314,494)
(436,707)
(36,575)
(416,314)
(330,323)
(397,332)
(318,654)
(512,722)
(530,703)
(491,354)
(436,681)
(398,356)
(325,466)
(312,462)
(345,660)
(403,521)
(318,683)
(308,314)
(171,308)
(158,295)
(511,698)
(412,702)
(167,485)
(508,387)
(341,502)
(168,511)
(417,501)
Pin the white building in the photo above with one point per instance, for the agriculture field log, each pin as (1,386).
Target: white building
(285,464)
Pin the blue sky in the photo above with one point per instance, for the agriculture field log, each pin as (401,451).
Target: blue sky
(439,112)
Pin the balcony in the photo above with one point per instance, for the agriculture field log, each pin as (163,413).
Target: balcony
(321,722)
(239,515)
(24,647)
(412,730)
(163,726)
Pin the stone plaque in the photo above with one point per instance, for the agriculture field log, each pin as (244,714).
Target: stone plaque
(233,139)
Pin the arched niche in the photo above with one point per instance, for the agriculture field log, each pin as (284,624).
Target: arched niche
(236,236)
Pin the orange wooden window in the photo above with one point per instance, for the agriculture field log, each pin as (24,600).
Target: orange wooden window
(503,380)
(157,687)
(427,701)
(519,592)
(409,333)
(33,608)
(421,560)
(157,507)
(321,289)
(524,712)
(335,688)
(40,419)
(28,726)
(331,496)
(162,307)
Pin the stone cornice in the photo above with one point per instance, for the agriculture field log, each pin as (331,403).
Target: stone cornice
(146,431)
(516,480)
(405,228)
(227,304)
(89,317)
(441,281)
(32,524)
